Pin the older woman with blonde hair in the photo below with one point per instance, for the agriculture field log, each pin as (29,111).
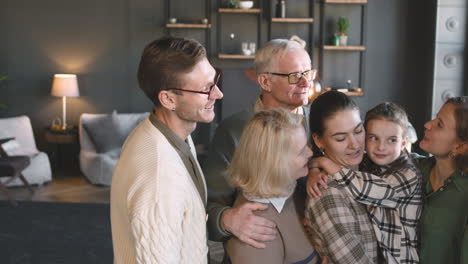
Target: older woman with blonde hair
(273,153)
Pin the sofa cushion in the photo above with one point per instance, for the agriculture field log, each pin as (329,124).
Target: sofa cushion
(129,122)
(104,132)
(14,148)
(11,147)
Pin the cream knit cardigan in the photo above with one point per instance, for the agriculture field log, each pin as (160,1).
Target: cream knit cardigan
(157,215)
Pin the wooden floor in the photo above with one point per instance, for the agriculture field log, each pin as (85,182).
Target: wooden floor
(69,187)
(72,187)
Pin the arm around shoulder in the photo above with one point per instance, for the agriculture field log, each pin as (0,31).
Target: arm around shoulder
(371,189)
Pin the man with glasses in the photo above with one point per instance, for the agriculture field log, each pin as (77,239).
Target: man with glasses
(284,73)
(158,193)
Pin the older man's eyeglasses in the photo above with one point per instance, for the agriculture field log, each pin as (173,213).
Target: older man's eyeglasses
(295,77)
(210,89)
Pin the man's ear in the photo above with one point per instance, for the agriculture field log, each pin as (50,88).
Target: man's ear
(264,81)
(167,100)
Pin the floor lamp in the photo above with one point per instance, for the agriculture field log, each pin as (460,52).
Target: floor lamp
(65,85)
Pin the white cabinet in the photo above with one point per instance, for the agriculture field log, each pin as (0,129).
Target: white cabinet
(449,51)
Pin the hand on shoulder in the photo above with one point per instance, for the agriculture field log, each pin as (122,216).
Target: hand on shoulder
(248,227)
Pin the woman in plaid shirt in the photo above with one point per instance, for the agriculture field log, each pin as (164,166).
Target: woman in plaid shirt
(340,226)
(388,183)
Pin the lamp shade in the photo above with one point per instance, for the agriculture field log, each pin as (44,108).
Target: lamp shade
(65,85)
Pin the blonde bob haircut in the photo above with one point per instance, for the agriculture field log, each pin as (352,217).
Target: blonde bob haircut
(261,163)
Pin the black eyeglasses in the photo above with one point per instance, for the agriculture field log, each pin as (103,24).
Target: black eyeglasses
(295,77)
(215,82)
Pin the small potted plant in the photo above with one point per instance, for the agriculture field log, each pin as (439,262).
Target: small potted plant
(342,26)
(232,4)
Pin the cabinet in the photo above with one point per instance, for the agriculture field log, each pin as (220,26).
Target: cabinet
(181,23)
(60,140)
(337,63)
(296,18)
(231,24)
(449,52)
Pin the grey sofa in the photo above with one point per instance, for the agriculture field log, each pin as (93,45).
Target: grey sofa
(101,138)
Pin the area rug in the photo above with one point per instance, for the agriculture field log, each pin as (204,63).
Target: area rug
(55,233)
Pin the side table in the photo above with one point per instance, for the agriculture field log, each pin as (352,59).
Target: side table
(59,139)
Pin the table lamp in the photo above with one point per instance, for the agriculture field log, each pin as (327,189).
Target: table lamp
(65,85)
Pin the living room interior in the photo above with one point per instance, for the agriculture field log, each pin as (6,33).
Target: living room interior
(408,52)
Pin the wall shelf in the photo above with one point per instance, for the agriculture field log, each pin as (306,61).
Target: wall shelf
(354,92)
(236,56)
(236,10)
(176,27)
(359,2)
(292,20)
(349,48)
(181,25)
(230,51)
(348,72)
(293,24)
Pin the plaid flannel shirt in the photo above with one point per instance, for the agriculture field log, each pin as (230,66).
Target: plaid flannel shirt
(394,203)
(340,227)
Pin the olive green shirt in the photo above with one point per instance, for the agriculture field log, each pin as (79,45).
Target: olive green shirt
(444,220)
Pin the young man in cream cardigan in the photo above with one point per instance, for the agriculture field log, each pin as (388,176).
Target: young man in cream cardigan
(158,193)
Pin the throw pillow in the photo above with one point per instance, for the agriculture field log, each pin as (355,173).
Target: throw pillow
(129,122)
(11,147)
(104,133)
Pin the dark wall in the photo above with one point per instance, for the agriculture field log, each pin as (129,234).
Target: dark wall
(101,41)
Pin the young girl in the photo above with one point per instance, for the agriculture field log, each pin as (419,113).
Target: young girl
(388,183)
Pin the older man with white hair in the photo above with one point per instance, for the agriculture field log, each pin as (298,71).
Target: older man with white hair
(284,74)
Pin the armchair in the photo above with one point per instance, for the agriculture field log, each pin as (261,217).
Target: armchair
(101,139)
(12,167)
(38,171)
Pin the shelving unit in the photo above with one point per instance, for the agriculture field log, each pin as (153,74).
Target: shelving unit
(355,92)
(350,48)
(294,20)
(346,1)
(181,25)
(361,48)
(236,56)
(195,26)
(237,12)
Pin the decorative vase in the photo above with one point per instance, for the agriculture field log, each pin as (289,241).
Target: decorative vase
(336,40)
(343,40)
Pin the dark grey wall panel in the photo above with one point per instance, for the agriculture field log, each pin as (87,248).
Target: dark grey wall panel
(239,92)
